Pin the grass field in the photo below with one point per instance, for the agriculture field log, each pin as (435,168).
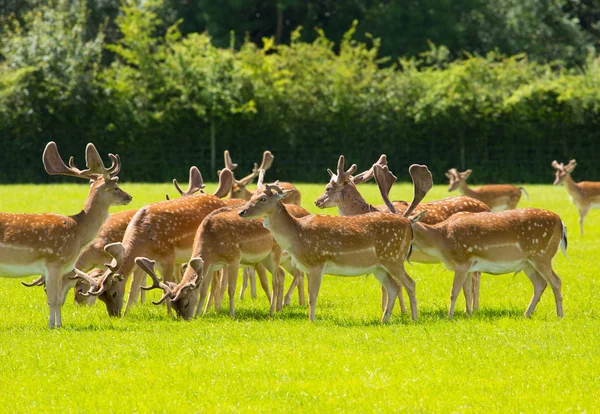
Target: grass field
(345,361)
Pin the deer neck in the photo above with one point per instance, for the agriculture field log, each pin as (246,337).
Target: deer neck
(352,203)
(464,189)
(283,227)
(572,186)
(91,218)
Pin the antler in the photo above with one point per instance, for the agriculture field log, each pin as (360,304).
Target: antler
(261,179)
(422,183)
(225,183)
(54,164)
(571,166)
(147,266)
(117,251)
(37,282)
(385,179)
(228,162)
(341,174)
(265,164)
(195,183)
(93,282)
(367,175)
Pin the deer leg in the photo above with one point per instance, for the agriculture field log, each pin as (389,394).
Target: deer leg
(582,213)
(206,282)
(391,288)
(232,274)
(272,265)
(460,274)
(245,278)
(476,276)
(315,276)
(220,291)
(539,286)
(298,275)
(167,267)
(53,292)
(215,286)
(468,291)
(142,291)
(264,280)
(399,275)
(544,268)
(134,290)
(252,278)
(288,296)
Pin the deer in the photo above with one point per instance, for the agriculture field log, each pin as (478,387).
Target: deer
(224,241)
(163,231)
(585,194)
(49,244)
(341,192)
(93,257)
(498,197)
(240,191)
(495,242)
(376,243)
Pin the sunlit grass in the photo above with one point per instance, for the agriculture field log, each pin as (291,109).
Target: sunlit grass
(345,361)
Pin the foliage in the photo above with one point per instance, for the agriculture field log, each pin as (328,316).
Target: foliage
(166,92)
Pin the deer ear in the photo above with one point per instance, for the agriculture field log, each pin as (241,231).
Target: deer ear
(418,217)
(284,194)
(466,174)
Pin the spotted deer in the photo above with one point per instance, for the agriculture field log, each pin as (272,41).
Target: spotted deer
(49,244)
(224,241)
(496,243)
(239,190)
(585,195)
(376,243)
(163,231)
(341,192)
(93,257)
(498,197)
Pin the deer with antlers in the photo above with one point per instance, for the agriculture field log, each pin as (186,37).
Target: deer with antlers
(585,195)
(341,192)
(498,197)
(496,243)
(163,231)
(49,244)
(224,241)
(348,246)
(94,256)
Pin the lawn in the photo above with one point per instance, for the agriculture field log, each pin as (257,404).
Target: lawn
(345,361)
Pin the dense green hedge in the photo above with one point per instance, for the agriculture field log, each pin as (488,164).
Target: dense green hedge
(505,117)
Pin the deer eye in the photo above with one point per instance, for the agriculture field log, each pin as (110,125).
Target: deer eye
(263,199)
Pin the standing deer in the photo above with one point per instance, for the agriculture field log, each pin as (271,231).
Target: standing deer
(498,197)
(348,246)
(239,190)
(49,244)
(341,192)
(94,256)
(585,195)
(224,241)
(163,231)
(496,243)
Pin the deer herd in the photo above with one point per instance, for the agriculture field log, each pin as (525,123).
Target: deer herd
(199,241)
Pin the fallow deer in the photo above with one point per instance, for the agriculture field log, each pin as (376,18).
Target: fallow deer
(341,192)
(498,197)
(496,243)
(225,241)
(349,246)
(49,244)
(585,194)
(163,231)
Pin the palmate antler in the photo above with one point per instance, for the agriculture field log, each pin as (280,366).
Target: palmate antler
(369,174)
(147,266)
(422,183)
(54,164)
(101,283)
(265,164)
(195,183)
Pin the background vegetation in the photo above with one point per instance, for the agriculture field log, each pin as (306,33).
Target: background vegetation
(500,87)
(495,361)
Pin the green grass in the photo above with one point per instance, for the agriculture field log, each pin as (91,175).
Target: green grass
(345,361)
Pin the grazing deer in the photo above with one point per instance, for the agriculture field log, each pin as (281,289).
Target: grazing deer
(224,241)
(349,246)
(163,231)
(49,244)
(239,190)
(341,192)
(585,195)
(498,197)
(496,243)
(113,230)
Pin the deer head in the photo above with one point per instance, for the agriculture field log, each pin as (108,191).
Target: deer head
(239,189)
(562,171)
(456,178)
(104,181)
